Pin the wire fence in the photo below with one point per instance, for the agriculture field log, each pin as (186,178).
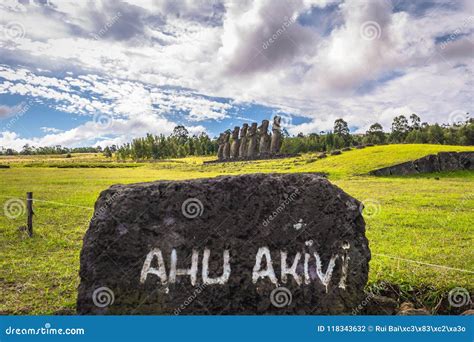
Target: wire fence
(15,209)
(43,214)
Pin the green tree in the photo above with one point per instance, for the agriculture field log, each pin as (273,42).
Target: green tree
(400,129)
(435,134)
(415,121)
(107,152)
(27,150)
(375,134)
(341,130)
(180,132)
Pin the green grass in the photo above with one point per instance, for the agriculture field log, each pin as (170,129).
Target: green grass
(420,218)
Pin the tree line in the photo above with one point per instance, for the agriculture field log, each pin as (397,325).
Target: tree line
(181,144)
(178,144)
(47,150)
(403,131)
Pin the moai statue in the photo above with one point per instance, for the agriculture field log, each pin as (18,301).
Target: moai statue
(276,136)
(234,147)
(220,150)
(264,138)
(226,145)
(252,141)
(243,141)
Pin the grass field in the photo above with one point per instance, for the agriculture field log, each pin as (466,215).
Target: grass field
(426,219)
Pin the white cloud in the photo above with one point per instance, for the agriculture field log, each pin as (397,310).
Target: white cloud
(165,59)
(115,131)
(51,130)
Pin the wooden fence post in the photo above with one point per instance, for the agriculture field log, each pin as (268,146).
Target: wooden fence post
(29,207)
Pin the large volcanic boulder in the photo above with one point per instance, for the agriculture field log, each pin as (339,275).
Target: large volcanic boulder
(249,244)
(427,164)
(449,161)
(466,160)
(443,161)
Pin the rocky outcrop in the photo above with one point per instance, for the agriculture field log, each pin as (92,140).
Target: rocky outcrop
(443,161)
(250,244)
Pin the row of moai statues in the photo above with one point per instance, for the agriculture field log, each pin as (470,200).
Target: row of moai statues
(250,142)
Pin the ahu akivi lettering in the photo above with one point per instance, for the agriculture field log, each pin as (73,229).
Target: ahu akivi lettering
(303,267)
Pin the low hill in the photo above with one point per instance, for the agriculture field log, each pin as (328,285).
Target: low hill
(350,163)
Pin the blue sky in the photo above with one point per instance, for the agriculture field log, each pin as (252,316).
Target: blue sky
(103,72)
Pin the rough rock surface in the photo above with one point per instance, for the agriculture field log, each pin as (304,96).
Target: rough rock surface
(443,161)
(244,215)
(380,305)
